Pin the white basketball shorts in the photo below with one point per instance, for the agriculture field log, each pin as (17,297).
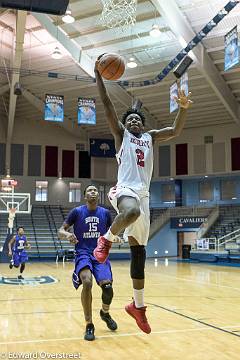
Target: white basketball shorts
(140,228)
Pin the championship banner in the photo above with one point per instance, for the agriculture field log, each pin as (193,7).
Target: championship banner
(54,108)
(231,57)
(86,111)
(174,91)
(102,148)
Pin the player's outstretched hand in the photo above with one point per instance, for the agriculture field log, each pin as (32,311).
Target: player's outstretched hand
(183,100)
(28,246)
(72,238)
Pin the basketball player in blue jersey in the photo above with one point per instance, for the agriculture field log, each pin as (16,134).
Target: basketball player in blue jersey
(130,197)
(89,222)
(16,249)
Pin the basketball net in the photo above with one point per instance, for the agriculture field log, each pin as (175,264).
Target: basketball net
(11,217)
(119,14)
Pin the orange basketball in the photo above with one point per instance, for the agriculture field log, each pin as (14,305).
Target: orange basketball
(111,66)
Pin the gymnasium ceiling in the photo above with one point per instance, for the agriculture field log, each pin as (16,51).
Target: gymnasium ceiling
(216,94)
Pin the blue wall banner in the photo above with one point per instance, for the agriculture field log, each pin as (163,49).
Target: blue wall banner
(173,94)
(187,222)
(54,108)
(174,91)
(231,57)
(184,83)
(86,111)
(102,148)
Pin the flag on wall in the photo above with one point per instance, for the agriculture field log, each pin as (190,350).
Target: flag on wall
(174,91)
(231,57)
(86,111)
(102,148)
(54,108)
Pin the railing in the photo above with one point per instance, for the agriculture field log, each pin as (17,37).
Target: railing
(190,210)
(35,235)
(234,235)
(213,216)
(51,222)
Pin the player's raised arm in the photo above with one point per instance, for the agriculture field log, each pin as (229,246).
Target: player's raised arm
(10,244)
(172,131)
(116,127)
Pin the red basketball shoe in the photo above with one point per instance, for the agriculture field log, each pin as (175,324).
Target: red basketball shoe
(139,315)
(101,252)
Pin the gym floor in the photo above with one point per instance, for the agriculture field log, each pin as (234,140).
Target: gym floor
(193,310)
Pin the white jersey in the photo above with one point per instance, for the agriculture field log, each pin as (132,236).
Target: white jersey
(135,161)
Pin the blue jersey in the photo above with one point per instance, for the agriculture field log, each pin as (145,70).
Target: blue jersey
(88,225)
(20,241)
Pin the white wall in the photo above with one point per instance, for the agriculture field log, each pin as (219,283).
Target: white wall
(58,190)
(46,133)
(43,133)
(195,136)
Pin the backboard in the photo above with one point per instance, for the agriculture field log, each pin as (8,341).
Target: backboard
(20,201)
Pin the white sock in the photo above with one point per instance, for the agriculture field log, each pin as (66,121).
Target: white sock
(109,236)
(138,297)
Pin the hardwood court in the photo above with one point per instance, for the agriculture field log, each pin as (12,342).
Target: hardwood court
(194,311)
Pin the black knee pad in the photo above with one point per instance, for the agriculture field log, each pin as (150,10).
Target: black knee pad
(107,293)
(138,258)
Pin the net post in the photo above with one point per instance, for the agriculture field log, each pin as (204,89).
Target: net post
(11,217)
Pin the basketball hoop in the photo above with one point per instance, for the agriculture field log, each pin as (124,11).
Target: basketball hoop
(119,14)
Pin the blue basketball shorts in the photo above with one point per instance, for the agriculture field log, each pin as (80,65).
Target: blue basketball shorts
(100,271)
(19,257)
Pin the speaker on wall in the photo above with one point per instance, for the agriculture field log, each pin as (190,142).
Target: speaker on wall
(182,67)
(54,7)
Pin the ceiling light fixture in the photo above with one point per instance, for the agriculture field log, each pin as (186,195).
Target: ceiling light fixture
(155,31)
(57,53)
(68,18)
(132,63)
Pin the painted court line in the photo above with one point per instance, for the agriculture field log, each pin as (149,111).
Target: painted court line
(117,335)
(196,320)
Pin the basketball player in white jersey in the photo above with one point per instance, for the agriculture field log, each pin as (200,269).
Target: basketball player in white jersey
(130,197)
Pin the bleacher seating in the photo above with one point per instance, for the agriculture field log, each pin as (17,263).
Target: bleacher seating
(155,213)
(3,228)
(228,221)
(42,225)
